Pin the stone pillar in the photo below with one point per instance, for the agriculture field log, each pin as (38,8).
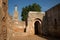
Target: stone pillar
(30,27)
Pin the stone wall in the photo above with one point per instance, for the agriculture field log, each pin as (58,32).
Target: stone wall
(52,21)
(3,26)
(1,37)
(32,16)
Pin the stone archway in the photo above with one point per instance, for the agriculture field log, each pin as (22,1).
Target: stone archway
(37,26)
(32,18)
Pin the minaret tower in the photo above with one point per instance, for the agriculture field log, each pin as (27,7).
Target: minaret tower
(15,17)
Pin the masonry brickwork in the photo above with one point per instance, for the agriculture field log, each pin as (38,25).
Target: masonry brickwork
(3,18)
(52,21)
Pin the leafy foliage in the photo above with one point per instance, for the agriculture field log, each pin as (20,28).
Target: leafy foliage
(25,10)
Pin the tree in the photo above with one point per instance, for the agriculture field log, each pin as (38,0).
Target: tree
(25,10)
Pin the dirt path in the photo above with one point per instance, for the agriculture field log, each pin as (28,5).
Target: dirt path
(34,37)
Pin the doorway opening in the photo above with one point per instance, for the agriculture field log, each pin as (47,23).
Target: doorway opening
(37,25)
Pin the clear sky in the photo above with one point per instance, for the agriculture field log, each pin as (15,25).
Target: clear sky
(45,4)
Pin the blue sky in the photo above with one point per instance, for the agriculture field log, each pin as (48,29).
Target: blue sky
(45,4)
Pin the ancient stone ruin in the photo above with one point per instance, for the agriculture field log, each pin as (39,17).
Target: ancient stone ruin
(38,23)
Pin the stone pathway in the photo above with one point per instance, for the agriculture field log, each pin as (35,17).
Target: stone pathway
(33,37)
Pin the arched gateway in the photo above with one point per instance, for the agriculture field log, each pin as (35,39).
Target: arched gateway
(37,26)
(34,23)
